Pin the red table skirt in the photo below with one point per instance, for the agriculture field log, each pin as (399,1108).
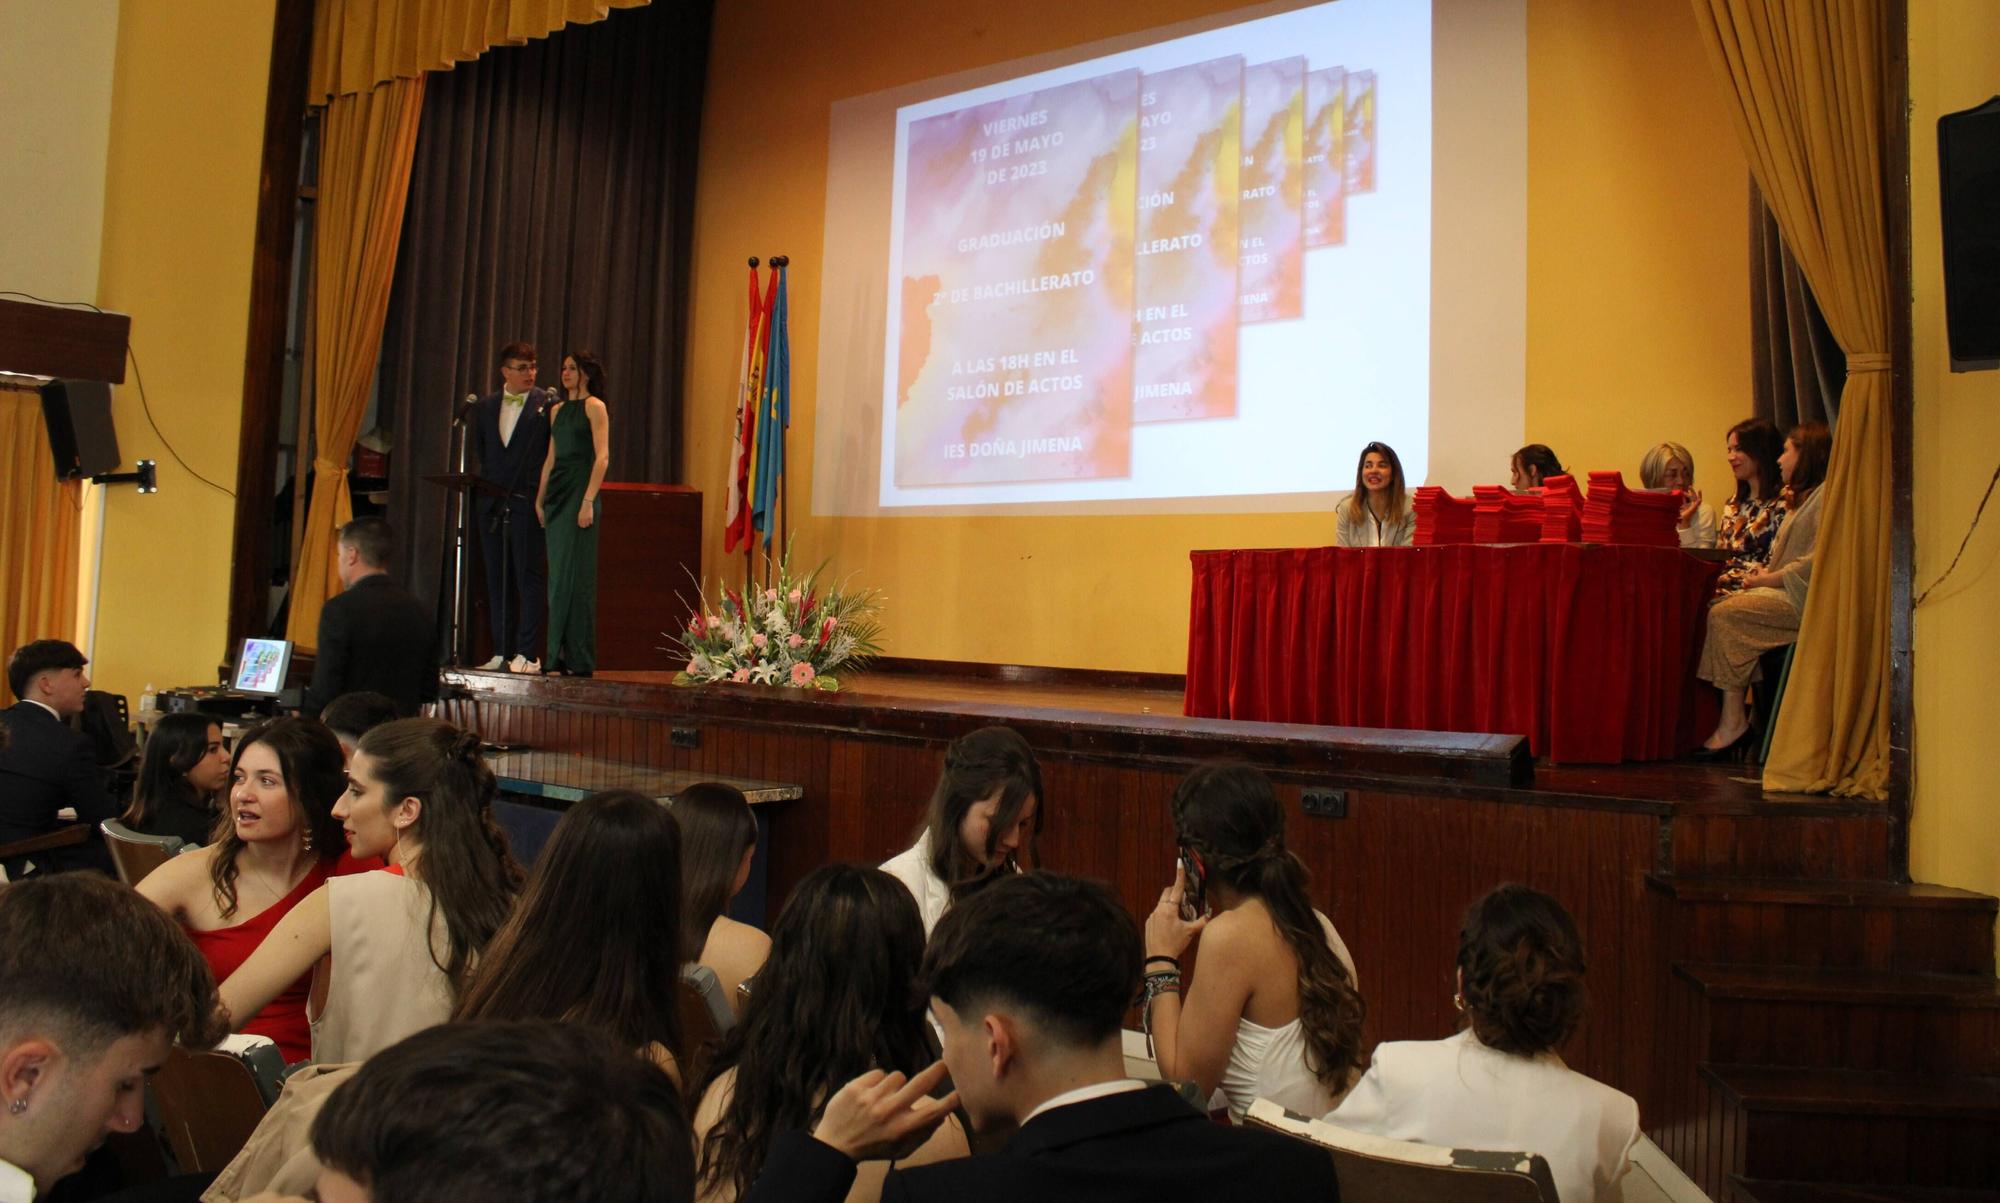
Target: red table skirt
(1589,651)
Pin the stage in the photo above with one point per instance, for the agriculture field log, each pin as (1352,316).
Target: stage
(1667,867)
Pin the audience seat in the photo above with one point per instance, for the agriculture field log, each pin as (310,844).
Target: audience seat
(210,1101)
(18,857)
(705,1016)
(1373,1169)
(136,853)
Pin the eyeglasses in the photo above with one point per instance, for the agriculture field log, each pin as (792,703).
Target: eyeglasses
(529,366)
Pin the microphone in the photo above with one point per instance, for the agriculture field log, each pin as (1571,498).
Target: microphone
(465,407)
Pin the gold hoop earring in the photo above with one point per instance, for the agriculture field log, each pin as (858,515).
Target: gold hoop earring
(1458,1000)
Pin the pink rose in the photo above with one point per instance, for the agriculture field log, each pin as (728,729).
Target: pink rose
(741,676)
(802,673)
(760,639)
(713,622)
(793,597)
(770,595)
(795,640)
(691,668)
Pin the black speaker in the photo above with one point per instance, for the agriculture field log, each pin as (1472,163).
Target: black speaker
(78,416)
(1969,194)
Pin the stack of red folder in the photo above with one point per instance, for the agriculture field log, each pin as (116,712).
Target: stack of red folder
(1501,515)
(1442,518)
(1616,514)
(1562,510)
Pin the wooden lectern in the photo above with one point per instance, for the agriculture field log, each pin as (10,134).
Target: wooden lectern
(648,574)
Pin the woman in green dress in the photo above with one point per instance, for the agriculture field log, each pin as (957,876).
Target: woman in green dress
(579,452)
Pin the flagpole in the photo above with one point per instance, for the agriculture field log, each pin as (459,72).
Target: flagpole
(781,262)
(749,563)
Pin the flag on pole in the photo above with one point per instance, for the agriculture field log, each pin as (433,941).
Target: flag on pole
(739,535)
(774,416)
(746,422)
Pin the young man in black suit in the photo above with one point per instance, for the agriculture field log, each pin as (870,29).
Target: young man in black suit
(45,764)
(511,438)
(376,635)
(1030,980)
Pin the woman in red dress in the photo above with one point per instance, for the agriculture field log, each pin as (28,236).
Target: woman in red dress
(281,844)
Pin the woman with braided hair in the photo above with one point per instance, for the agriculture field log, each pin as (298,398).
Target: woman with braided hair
(403,939)
(1272,1010)
(1501,1083)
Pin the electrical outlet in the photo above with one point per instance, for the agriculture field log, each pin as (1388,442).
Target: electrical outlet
(1324,803)
(685,737)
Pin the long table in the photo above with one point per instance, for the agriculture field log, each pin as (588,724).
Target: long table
(1587,650)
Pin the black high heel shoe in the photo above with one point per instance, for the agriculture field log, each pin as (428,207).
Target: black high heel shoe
(1727,752)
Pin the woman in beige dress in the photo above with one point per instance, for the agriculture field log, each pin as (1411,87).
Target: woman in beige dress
(1764,613)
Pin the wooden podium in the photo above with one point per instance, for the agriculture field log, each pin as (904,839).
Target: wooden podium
(648,574)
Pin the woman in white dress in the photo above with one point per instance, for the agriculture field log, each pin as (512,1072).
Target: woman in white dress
(1500,1084)
(984,816)
(1272,1011)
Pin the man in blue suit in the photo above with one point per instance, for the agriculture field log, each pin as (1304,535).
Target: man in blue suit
(511,439)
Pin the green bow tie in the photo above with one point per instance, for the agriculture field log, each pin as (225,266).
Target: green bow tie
(513,398)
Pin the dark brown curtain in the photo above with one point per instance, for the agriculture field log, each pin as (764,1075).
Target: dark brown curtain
(553,201)
(1797,365)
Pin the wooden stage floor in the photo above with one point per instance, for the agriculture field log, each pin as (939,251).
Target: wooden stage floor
(1662,783)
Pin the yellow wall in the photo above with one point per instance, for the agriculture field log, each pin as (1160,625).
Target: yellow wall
(1637,298)
(187,123)
(1955,833)
(55,115)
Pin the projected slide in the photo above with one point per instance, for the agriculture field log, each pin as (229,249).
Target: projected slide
(1198,268)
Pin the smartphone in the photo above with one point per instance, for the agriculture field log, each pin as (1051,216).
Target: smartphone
(1192,902)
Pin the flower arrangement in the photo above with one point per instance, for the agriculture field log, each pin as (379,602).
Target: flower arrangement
(793,632)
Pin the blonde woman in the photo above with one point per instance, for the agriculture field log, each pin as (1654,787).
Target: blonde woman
(1667,467)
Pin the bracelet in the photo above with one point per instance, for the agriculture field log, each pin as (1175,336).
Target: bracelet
(1167,981)
(1174,961)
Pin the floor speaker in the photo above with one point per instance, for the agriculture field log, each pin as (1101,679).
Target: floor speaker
(78,416)
(1969,193)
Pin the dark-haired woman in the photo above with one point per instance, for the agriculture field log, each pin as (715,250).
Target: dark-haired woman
(838,997)
(1532,465)
(1752,518)
(983,819)
(1273,1011)
(404,938)
(596,938)
(1765,610)
(718,838)
(1378,513)
(567,505)
(1500,1083)
(180,778)
(280,845)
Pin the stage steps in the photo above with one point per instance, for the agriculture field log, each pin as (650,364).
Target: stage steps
(1836,1032)
(1757,1190)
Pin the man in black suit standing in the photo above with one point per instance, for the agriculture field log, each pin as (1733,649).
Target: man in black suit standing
(511,438)
(47,765)
(376,635)
(1030,980)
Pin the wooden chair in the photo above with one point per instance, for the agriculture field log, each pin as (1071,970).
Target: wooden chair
(705,1016)
(135,853)
(15,856)
(1373,1169)
(209,1102)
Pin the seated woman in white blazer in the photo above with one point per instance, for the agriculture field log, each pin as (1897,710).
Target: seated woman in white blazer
(1500,1084)
(984,816)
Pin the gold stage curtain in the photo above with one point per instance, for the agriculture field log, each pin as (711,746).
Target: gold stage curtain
(1808,77)
(358,44)
(369,139)
(40,521)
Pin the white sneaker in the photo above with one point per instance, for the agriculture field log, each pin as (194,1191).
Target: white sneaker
(494,665)
(521,664)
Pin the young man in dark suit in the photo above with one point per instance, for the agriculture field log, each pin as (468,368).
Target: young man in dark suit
(511,439)
(376,635)
(45,764)
(1030,979)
